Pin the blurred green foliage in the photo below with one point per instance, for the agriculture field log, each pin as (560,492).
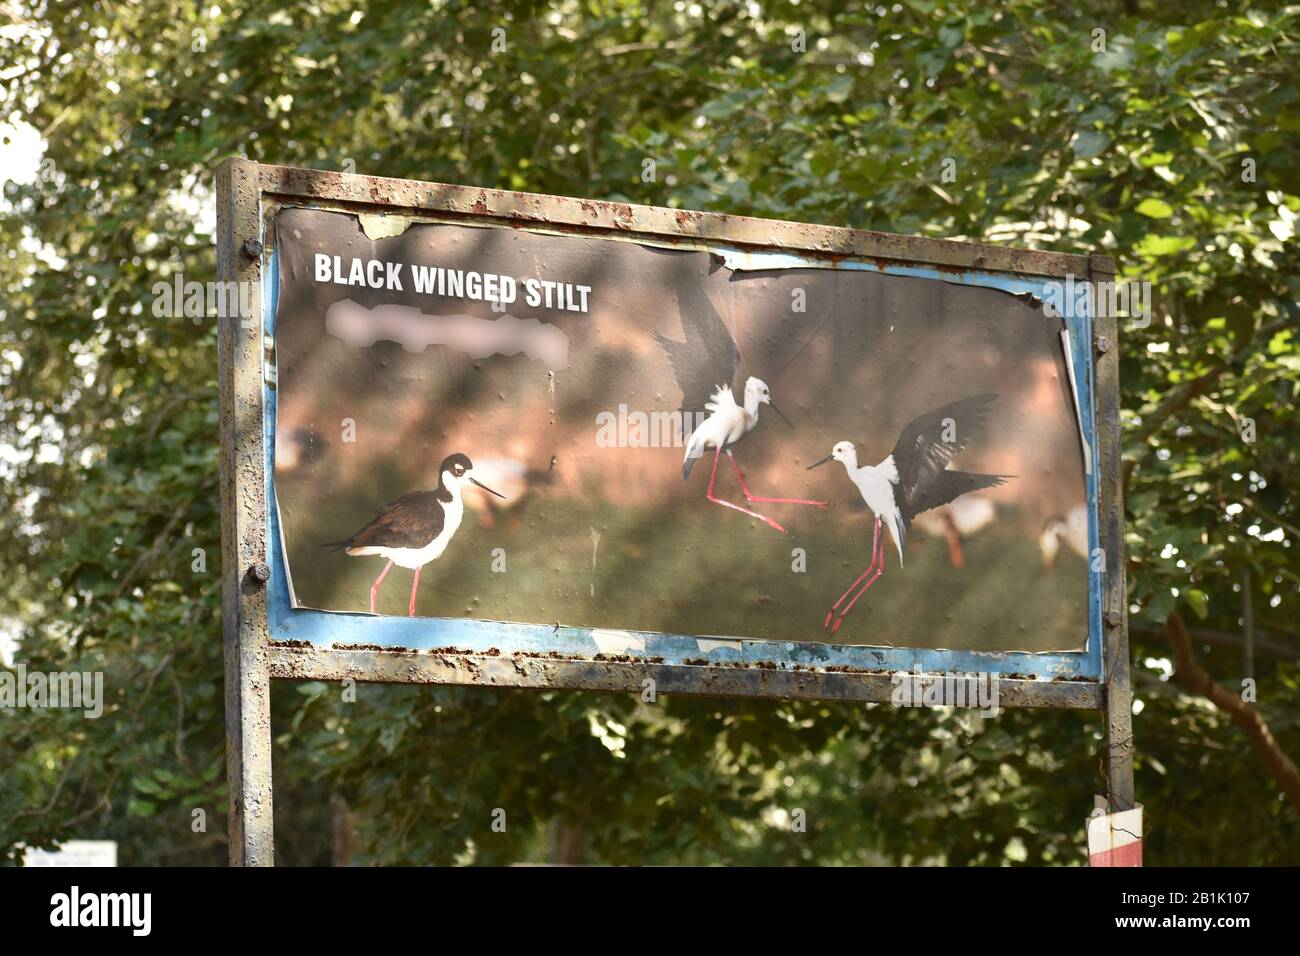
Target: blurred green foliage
(1176,148)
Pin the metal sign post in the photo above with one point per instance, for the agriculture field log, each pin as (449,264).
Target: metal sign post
(272,632)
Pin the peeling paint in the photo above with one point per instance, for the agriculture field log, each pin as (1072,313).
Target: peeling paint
(383,226)
(617,642)
(1074,393)
(706,645)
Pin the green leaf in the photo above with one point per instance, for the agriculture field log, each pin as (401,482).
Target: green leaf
(952,33)
(147,785)
(1089,143)
(1156,246)
(1155,208)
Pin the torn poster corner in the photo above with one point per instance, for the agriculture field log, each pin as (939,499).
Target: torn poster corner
(379,226)
(1074,393)
(707,646)
(617,642)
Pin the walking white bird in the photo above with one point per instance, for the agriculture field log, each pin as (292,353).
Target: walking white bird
(912,479)
(416,528)
(706,366)
(956,521)
(1073,530)
(515,483)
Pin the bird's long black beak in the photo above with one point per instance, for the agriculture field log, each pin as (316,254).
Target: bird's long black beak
(818,464)
(487,489)
(781,413)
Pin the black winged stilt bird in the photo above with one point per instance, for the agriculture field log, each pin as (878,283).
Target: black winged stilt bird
(706,366)
(914,478)
(417,527)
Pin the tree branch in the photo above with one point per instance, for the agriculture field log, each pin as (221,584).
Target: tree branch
(1265,644)
(1195,680)
(1264,513)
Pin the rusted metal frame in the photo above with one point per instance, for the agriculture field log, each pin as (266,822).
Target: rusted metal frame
(360,194)
(243,521)
(295,662)
(283,184)
(502,207)
(1118,689)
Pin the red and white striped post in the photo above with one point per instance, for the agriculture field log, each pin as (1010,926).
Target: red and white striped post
(1115,839)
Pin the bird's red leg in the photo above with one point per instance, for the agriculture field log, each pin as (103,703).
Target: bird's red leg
(875,549)
(415,583)
(955,555)
(786,501)
(878,558)
(374,588)
(727,504)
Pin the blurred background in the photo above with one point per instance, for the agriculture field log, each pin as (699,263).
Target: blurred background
(1164,135)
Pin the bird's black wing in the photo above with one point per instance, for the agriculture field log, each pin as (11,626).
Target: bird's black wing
(946,487)
(928,443)
(709,356)
(411,521)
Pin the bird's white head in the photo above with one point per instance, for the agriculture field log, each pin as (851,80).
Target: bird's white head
(843,451)
(457,471)
(757,393)
(847,453)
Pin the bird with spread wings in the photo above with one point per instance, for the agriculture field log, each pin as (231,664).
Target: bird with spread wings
(707,367)
(912,479)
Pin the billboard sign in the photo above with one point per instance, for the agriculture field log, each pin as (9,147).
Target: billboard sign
(493,438)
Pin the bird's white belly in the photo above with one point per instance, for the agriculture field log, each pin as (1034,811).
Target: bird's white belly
(877,492)
(728,427)
(413,558)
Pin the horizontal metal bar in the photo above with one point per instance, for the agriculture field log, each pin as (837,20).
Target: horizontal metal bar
(622,675)
(593,216)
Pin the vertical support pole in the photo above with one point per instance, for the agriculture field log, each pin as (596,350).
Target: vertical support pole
(1114,607)
(243,519)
